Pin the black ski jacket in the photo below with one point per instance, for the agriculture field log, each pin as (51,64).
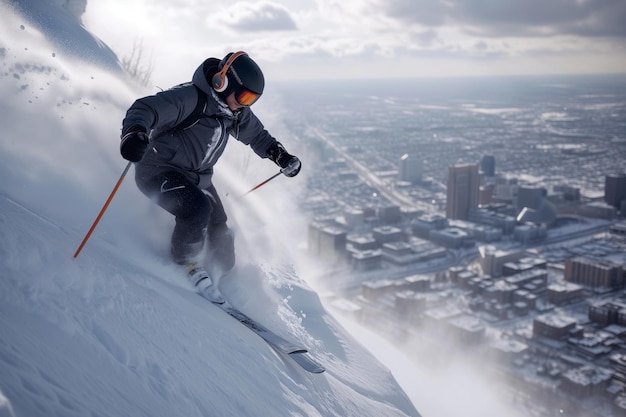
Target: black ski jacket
(192,151)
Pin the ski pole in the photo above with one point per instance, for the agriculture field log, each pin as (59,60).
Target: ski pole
(106,205)
(261,184)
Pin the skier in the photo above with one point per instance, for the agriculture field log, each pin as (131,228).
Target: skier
(174,157)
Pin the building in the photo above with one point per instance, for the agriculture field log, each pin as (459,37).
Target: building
(327,242)
(524,264)
(597,210)
(409,304)
(532,280)
(615,189)
(488,165)
(399,253)
(618,363)
(467,330)
(313,237)
(389,214)
(507,349)
(427,251)
(479,232)
(367,260)
(500,292)
(594,273)
(608,313)
(386,234)
(530,232)
(492,261)
(361,242)
(534,207)
(494,219)
(416,283)
(505,191)
(451,237)
(561,293)
(486,195)
(530,197)
(463,191)
(410,169)
(355,218)
(553,326)
(376,289)
(619,229)
(567,192)
(523,301)
(585,381)
(424,224)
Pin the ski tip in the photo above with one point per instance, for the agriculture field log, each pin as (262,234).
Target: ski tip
(306,362)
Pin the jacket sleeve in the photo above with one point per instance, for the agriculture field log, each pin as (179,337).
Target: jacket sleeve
(161,111)
(251,131)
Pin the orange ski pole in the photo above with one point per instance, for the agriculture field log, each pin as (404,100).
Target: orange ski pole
(106,205)
(256,187)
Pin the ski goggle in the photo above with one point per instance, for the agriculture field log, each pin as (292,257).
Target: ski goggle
(245,97)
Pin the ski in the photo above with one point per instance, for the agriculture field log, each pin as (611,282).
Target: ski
(296,352)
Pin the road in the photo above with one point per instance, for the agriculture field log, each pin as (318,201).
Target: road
(371,179)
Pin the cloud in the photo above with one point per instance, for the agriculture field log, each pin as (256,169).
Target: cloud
(314,38)
(253,17)
(513,18)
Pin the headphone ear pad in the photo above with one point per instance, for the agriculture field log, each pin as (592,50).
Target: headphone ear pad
(220,82)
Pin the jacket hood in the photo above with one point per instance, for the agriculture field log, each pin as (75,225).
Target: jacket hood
(204,73)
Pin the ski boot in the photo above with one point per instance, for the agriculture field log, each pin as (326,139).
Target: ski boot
(203,283)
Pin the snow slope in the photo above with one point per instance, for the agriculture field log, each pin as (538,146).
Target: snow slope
(118,331)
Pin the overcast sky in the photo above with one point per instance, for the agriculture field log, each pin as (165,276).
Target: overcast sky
(307,39)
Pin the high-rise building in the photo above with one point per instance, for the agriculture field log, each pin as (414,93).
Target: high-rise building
(615,189)
(488,165)
(463,191)
(410,169)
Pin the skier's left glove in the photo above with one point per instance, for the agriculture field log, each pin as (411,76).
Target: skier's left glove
(290,165)
(134,144)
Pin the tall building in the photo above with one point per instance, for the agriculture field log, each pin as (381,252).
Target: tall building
(463,191)
(488,165)
(410,169)
(615,189)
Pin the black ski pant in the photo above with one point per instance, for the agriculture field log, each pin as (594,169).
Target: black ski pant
(199,214)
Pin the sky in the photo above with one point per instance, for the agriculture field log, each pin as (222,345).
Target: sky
(330,39)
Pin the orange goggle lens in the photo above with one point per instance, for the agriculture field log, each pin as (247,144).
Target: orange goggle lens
(247,97)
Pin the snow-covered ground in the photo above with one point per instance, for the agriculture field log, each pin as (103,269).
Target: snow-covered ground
(118,331)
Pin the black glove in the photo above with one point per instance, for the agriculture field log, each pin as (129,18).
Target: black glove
(290,165)
(134,145)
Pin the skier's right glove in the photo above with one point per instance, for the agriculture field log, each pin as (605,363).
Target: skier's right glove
(290,165)
(134,144)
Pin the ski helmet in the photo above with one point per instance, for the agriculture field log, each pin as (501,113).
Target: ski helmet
(236,71)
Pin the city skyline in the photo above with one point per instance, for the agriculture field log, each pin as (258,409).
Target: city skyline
(536,270)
